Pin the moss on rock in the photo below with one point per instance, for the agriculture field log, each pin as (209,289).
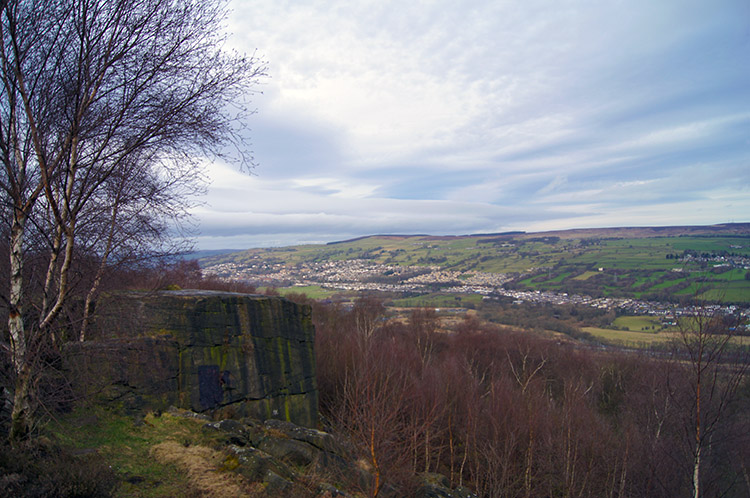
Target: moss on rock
(204,350)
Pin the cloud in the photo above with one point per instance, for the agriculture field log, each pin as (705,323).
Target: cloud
(442,117)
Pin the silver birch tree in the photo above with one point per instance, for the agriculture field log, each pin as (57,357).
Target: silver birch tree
(86,88)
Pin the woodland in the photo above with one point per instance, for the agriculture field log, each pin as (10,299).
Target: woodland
(511,413)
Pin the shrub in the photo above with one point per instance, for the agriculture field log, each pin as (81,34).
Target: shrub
(39,468)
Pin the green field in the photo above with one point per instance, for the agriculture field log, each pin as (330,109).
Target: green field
(638,323)
(311,291)
(628,338)
(734,292)
(585,275)
(646,339)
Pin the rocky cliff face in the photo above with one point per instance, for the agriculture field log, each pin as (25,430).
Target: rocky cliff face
(233,354)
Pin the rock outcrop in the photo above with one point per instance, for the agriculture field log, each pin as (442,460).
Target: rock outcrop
(283,456)
(232,354)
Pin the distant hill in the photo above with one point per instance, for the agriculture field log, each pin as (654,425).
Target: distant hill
(624,232)
(208,253)
(656,263)
(724,229)
(646,232)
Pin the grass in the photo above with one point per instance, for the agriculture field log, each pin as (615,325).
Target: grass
(652,277)
(628,338)
(729,275)
(585,275)
(642,323)
(560,277)
(127,447)
(667,284)
(167,456)
(528,281)
(311,291)
(200,464)
(646,339)
(734,292)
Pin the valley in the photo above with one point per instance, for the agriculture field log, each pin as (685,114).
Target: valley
(637,271)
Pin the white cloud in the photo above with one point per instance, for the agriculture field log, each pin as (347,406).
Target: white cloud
(445,117)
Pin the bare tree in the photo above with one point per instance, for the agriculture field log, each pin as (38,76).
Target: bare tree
(423,325)
(525,372)
(707,373)
(367,313)
(89,90)
(130,220)
(373,401)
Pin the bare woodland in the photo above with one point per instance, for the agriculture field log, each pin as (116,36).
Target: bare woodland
(510,413)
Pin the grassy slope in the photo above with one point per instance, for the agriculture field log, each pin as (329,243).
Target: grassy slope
(628,338)
(126,447)
(646,339)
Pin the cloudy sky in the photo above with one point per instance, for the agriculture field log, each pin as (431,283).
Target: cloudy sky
(448,117)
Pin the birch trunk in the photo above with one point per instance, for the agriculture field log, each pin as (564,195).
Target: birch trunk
(21,416)
(696,472)
(49,281)
(15,316)
(21,406)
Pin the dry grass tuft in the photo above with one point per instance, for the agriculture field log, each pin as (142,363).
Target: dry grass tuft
(203,467)
(276,433)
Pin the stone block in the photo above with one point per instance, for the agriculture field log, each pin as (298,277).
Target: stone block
(204,351)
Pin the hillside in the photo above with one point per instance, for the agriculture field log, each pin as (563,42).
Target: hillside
(650,263)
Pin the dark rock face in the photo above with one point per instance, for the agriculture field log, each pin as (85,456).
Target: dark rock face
(232,354)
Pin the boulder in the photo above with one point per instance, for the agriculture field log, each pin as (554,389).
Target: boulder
(230,354)
(282,456)
(434,485)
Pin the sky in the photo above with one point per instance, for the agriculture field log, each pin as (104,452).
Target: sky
(449,118)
